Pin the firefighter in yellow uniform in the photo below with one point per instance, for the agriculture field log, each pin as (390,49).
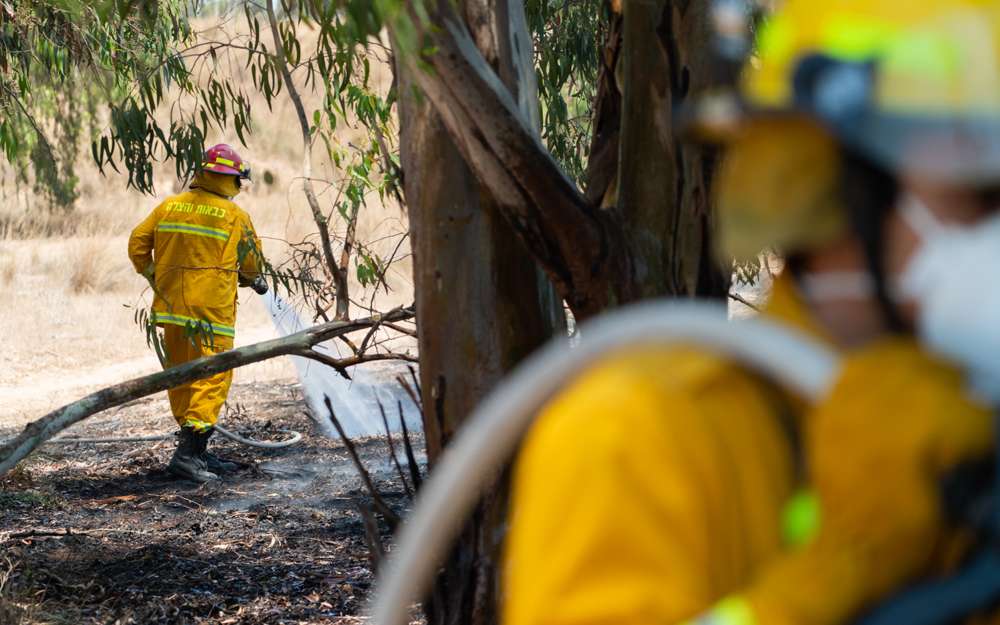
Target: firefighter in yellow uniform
(669,486)
(196,248)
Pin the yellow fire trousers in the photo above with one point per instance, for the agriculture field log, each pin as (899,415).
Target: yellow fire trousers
(196,404)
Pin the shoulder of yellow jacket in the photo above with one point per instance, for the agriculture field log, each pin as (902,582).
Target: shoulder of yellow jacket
(629,393)
(669,368)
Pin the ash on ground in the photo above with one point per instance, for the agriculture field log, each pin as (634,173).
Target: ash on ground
(102,534)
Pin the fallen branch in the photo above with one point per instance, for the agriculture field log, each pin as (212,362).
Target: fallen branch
(38,534)
(37,432)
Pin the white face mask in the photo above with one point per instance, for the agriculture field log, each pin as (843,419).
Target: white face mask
(952,280)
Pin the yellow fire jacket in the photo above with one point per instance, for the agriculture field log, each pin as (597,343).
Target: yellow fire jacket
(657,489)
(194,246)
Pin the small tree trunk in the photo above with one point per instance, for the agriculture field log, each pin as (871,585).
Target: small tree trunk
(338,273)
(484,303)
(664,184)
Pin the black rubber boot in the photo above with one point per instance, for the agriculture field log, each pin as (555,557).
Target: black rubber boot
(214,463)
(187,462)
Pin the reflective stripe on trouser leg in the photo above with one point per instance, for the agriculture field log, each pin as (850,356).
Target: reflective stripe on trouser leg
(195,404)
(207,397)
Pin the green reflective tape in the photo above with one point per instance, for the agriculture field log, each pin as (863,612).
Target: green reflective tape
(923,53)
(777,38)
(729,611)
(801,518)
(204,231)
(854,38)
(196,424)
(185,321)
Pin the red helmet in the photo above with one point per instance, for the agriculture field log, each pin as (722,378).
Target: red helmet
(222,159)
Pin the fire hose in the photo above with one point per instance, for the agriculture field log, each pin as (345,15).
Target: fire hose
(293,438)
(492,433)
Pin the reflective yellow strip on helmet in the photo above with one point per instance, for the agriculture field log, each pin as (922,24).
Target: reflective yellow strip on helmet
(729,611)
(924,53)
(859,38)
(185,321)
(225,161)
(853,38)
(201,231)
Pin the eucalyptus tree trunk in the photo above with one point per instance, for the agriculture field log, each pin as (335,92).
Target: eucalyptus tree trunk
(488,204)
(664,184)
(643,227)
(482,301)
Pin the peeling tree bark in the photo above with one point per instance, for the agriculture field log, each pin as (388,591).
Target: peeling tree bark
(602,164)
(579,246)
(298,344)
(472,156)
(664,184)
(484,301)
(643,229)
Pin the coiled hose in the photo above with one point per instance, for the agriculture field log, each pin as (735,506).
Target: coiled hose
(491,435)
(293,438)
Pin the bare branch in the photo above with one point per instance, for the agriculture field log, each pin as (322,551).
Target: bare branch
(342,364)
(37,432)
(337,272)
(409,391)
(373,540)
(383,508)
(392,451)
(736,298)
(411,458)
(401,329)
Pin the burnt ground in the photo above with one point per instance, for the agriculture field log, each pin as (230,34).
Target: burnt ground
(102,534)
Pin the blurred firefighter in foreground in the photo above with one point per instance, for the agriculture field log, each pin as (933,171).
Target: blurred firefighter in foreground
(669,486)
(195,248)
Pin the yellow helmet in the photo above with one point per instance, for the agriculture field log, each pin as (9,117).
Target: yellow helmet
(912,84)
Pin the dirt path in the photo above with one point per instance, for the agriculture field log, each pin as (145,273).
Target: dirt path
(101,534)
(32,396)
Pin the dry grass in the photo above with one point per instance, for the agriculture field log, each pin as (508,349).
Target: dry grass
(95,268)
(68,294)
(106,209)
(8,269)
